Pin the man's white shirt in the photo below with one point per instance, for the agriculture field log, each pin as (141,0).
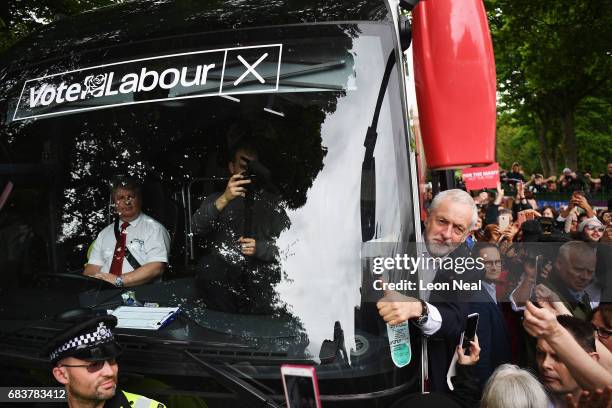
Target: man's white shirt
(147,240)
(426,275)
(491,290)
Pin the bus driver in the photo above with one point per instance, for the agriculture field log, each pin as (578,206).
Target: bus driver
(134,249)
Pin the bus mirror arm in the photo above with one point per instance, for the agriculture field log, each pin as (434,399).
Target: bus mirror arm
(332,350)
(408,4)
(404,26)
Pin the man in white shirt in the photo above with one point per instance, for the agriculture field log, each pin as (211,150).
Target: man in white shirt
(134,249)
(452,215)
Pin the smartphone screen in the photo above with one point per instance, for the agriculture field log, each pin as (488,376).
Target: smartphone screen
(540,262)
(504,221)
(300,392)
(300,387)
(470,330)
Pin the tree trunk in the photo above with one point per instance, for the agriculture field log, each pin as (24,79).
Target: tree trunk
(569,139)
(554,152)
(553,164)
(544,156)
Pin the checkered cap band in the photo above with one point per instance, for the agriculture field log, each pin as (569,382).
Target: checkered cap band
(102,334)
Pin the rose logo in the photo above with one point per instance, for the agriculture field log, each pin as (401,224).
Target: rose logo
(94,85)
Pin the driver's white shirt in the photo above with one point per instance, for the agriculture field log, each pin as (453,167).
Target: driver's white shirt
(147,240)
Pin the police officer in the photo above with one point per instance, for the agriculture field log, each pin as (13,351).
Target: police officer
(84,360)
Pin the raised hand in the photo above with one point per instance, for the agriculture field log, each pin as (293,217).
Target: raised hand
(600,398)
(236,187)
(474,355)
(248,246)
(540,323)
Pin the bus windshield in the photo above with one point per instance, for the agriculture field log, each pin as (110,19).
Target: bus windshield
(184,117)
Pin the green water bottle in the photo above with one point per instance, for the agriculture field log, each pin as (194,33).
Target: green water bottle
(399,342)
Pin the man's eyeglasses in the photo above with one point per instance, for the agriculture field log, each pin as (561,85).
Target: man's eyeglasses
(493,263)
(602,333)
(92,367)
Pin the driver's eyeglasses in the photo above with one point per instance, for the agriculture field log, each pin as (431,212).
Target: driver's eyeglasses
(125,199)
(92,367)
(602,333)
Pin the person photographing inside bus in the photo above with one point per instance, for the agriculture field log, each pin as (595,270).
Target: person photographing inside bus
(241,225)
(224,208)
(134,249)
(84,360)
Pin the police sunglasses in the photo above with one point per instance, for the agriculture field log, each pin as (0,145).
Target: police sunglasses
(92,367)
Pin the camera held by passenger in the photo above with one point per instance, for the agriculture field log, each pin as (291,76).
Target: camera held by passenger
(256,172)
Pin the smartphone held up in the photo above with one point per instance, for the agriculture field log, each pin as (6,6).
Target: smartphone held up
(301,386)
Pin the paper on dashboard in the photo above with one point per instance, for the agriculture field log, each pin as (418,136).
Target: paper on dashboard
(145,318)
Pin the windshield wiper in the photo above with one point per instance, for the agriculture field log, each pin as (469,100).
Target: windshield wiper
(368,166)
(180,343)
(245,390)
(248,393)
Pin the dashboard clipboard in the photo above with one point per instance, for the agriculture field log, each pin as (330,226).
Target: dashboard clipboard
(144,318)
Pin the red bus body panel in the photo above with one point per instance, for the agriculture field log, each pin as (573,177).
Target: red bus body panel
(454,73)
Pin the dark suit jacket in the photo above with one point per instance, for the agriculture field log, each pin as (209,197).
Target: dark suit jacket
(493,336)
(454,309)
(578,310)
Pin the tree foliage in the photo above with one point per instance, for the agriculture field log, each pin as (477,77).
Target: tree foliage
(517,139)
(551,57)
(516,142)
(19,18)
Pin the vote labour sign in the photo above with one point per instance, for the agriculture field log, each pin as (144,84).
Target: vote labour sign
(159,78)
(478,178)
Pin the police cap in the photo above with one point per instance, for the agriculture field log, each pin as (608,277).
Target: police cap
(89,339)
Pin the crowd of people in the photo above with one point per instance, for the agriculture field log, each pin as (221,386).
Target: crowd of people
(544,337)
(567,182)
